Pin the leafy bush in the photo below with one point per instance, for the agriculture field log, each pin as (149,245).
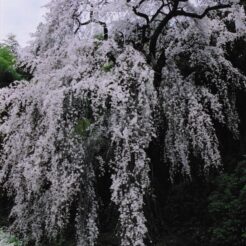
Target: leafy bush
(227,208)
(8,240)
(82,127)
(107,66)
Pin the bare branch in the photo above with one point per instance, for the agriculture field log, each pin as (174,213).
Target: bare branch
(91,20)
(146,17)
(159,11)
(140,14)
(81,24)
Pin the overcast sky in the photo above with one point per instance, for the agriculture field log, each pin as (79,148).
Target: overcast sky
(20,17)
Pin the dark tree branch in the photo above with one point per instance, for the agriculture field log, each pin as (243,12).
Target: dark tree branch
(146,17)
(140,14)
(159,11)
(160,62)
(175,12)
(158,69)
(91,20)
(105,28)
(206,11)
(158,30)
(81,24)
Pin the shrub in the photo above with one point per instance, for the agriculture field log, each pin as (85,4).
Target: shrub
(227,208)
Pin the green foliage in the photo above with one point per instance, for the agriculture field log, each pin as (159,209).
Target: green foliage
(7,59)
(13,240)
(82,127)
(8,240)
(99,37)
(227,208)
(8,71)
(108,66)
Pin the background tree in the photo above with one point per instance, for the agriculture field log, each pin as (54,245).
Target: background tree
(8,71)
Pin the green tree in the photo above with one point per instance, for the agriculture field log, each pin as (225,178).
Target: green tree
(8,71)
(227,208)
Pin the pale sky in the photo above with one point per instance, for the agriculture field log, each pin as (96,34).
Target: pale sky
(20,17)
